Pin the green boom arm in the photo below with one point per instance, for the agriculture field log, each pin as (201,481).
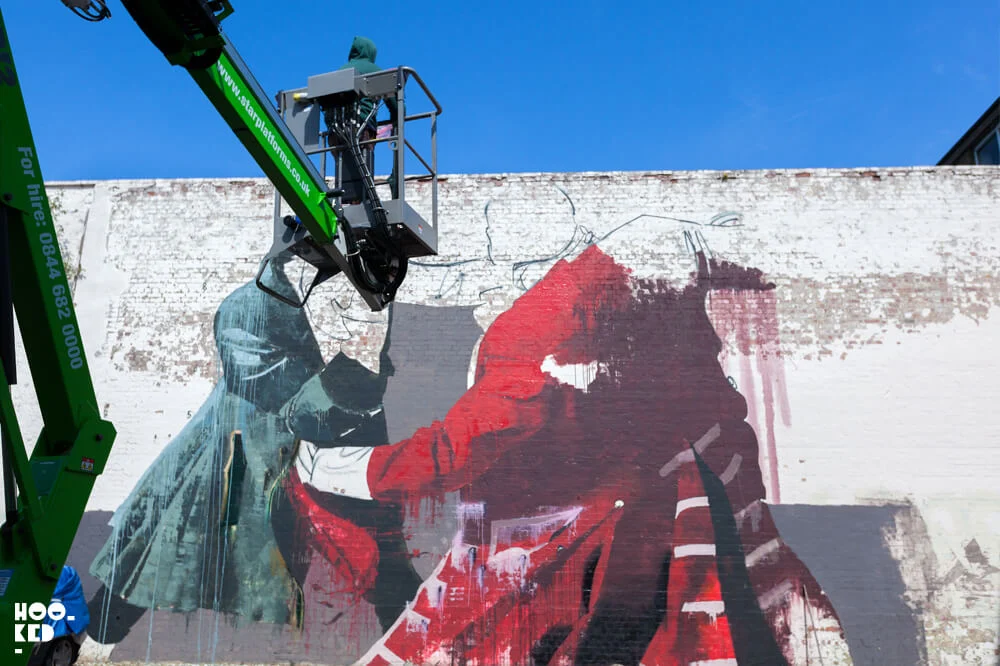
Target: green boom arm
(188,34)
(55,483)
(239,99)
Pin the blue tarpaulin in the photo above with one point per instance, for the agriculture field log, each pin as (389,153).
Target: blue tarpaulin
(69,592)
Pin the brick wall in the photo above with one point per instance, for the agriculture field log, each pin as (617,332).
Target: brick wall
(881,466)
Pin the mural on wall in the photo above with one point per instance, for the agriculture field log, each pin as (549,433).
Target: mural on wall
(594,495)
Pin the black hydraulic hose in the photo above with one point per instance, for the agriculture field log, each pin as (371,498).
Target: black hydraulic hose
(381,219)
(357,264)
(175,26)
(380,235)
(94,11)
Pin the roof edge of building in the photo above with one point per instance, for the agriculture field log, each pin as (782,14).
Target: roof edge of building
(722,174)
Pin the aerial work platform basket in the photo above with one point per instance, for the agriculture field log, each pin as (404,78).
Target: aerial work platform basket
(327,118)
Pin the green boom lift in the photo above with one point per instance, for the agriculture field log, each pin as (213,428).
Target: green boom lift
(345,229)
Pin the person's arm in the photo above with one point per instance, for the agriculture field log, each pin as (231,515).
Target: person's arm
(513,396)
(508,405)
(390,104)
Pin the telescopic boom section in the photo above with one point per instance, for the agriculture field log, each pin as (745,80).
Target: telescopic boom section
(188,34)
(240,101)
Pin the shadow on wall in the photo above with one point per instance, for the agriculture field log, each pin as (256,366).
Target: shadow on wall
(429,357)
(845,549)
(90,537)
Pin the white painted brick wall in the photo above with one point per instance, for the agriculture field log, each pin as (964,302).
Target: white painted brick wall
(887,288)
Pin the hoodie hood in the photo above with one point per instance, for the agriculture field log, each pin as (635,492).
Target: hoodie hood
(362,49)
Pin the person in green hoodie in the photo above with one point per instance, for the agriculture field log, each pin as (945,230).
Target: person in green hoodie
(362,60)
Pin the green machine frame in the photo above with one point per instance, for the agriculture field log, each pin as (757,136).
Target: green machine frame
(374,258)
(47,492)
(53,486)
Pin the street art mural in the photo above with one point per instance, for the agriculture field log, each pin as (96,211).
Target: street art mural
(580,483)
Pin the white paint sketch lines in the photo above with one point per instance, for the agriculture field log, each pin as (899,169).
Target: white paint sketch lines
(504,533)
(390,656)
(690,503)
(341,470)
(695,550)
(763,551)
(712,608)
(754,511)
(731,469)
(416,622)
(777,594)
(687,455)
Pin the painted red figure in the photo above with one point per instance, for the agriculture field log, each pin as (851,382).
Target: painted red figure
(594,394)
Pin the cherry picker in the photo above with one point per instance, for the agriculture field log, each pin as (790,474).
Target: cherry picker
(342,229)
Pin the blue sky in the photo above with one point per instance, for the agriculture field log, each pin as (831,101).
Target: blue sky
(542,86)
